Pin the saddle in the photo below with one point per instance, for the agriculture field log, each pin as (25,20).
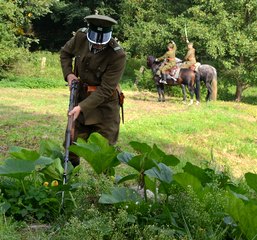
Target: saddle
(197,65)
(192,67)
(174,72)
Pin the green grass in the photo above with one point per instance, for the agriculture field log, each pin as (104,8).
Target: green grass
(222,134)
(189,132)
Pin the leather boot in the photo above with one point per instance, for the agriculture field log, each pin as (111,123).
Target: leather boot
(164,78)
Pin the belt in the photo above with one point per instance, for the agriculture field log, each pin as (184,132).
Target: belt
(91,88)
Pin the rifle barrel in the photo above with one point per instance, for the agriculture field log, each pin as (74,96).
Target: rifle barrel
(68,137)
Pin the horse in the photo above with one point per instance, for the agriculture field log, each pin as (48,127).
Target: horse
(208,74)
(187,77)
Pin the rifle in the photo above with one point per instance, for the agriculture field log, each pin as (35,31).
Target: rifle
(69,131)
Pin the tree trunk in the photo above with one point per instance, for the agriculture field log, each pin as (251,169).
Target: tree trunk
(239,91)
(240,87)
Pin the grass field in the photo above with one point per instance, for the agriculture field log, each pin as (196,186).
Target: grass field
(222,134)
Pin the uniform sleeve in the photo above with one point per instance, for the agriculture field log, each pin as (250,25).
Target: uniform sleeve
(189,52)
(66,56)
(109,82)
(163,57)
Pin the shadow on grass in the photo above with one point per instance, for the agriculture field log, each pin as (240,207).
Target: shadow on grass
(27,129)
(225,95)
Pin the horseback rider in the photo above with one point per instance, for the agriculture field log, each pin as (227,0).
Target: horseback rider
(190,56)
(170,61)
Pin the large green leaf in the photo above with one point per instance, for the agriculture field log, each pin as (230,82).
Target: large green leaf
(120,195)
(50,149)
(185,179)
(244,213)
(150,184)
(170,160)
(19,168)
(140,147)
(128,177)
(251,180)
(163,173)
(97,152)
(158,155)
(25,154)
(197,172)
(125,157)
(141,163)
(55,170)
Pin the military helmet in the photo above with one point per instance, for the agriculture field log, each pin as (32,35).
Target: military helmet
(99,28)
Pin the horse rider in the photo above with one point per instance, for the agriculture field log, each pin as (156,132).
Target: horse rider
(190,56)
(170,61)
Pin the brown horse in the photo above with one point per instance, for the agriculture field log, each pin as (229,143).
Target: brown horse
(187,78)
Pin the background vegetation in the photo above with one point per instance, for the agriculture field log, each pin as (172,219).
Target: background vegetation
(209,189)
(224,33)
(219,136)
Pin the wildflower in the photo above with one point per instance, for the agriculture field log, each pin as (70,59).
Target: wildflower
(46,184)
(54,183)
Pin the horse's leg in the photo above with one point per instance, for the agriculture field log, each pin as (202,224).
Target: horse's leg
(197,89)
(209,91)
(159,93)
(191,91)
(183,88)
(162,92)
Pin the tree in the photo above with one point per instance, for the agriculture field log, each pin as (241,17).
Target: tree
(66,17)
(15,26)
(226,31)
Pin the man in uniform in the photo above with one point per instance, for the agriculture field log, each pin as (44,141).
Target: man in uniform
(190,56)
(99,65)
(170,61)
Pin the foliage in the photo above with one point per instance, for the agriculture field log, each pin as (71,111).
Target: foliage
(194,202)
(8,229)
(144,28)
(15,26)
(98,153)
(198,184)
(31,183)
(28,72)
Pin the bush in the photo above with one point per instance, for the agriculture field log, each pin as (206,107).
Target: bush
(28,71)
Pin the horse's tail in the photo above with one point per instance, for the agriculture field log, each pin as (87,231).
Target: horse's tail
(214,85)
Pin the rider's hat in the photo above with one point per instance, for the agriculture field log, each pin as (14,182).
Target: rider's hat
(99,28)
(170,45)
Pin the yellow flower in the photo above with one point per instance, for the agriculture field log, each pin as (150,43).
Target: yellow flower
(46,184)
(54,183)
(29,14)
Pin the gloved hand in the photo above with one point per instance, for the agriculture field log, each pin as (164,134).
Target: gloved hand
(156,60)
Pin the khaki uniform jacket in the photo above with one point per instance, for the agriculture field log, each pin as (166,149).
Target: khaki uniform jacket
(104,70)
(170,56)
(190,56)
